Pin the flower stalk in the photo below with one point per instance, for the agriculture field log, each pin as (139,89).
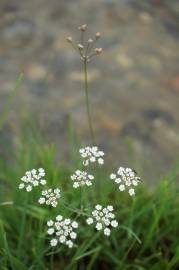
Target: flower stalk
(86,51)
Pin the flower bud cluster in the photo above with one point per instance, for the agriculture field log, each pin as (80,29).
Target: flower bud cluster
(86,50)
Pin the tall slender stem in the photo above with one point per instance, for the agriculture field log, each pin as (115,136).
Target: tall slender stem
(87,102)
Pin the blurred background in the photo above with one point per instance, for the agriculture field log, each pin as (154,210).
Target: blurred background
(134,84)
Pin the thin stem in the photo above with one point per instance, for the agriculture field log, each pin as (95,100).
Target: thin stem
(52,261)
(87,102)
(23,225)
(81,198)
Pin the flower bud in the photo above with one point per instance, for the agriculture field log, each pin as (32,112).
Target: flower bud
(98,50)
(90,40)
(80,46)
(83,27)
(69,39)
(98,35)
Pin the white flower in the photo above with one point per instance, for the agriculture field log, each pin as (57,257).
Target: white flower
(69,243)
(62,231)
(50,197)
(29,188)
(42,200)
(81,178)
(59,218)
(32,179)
(107,231)
(114,223)
(73,235)
(50,231)
(74,224)
(127,179)
(112,176)
(131,192)
(91,155)
(50,223)
(121,187)
(89,221)
(53,242)
(99,226)
(98,207)
(103,219)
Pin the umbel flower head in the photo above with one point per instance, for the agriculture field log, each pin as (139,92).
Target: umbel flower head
(50,197)
(103,218)
(91,155)
(62,230)
(127,179)
(32,179)
(81,178)
(86,49)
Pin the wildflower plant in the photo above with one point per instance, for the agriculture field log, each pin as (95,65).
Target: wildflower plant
(87,50)
(62,231)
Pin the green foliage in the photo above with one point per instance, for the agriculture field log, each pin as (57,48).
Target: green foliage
(145,239)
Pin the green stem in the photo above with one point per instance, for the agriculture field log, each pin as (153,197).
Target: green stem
(52,261)
(87,102)
(22,228)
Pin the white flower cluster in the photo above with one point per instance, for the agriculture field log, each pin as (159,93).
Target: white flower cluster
(127,179)
(50,197)
(103,218)
(81,178)
(32,179)
(91,155)
(62,230)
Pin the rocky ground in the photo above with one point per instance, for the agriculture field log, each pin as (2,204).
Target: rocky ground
(134,85)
